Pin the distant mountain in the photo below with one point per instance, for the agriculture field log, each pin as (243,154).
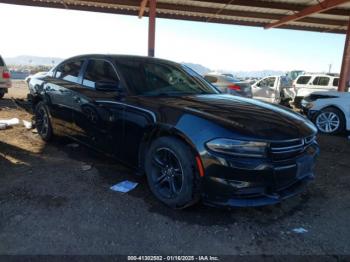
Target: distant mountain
(32,60)
(200,69)
(259,74)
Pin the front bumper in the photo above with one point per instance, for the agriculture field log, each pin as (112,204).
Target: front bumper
(257,182)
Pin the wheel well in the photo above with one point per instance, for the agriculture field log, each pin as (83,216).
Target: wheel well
(337,108)
(156,133)
(35,100)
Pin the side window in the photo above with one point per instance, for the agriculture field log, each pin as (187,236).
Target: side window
(335,81)
(99,71)
(303,80)
(69,71)
(321,81)
(270,82)
(211,79)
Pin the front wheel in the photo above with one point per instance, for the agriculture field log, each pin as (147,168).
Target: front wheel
(42,121)
(330,121)
(172,173)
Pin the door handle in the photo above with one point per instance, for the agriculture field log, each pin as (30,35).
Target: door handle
(77,99)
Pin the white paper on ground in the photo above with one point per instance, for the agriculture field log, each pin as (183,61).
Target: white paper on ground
(27,124)
(10,122)
(124,186)
(3,126)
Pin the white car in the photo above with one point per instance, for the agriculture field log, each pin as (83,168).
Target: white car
(273,89)
(330,111)
(304,85)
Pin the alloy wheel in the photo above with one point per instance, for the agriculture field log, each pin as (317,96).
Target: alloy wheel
(167,173)
(42,121)
(327,122)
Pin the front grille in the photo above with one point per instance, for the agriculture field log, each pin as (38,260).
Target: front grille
(282,150)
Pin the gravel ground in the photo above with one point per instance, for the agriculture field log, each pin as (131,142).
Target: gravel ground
(50,205)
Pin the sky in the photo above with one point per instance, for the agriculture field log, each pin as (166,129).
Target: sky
(64,33)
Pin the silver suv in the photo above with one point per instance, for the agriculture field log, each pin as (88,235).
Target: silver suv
(5,78)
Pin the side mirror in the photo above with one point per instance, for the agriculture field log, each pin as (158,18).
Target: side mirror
(107,86)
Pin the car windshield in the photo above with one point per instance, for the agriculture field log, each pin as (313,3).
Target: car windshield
(156,78)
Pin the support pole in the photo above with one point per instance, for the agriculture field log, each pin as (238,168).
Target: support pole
(345,67)
(151,27)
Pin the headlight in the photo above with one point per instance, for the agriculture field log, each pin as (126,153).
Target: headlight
(238,147)
(307,104)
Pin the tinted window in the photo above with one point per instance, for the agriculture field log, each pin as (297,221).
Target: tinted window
(303,80)
(156,78)
(211,79)
(335,81)
(321,81)
(99,71)
(1,62)
(69,71)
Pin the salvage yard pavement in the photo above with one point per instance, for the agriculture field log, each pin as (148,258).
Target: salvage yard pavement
(51,203)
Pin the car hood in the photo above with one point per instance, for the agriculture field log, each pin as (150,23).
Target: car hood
(245,116)
(331,94)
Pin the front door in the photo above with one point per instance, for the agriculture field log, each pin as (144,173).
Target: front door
(97,113)
(266,90)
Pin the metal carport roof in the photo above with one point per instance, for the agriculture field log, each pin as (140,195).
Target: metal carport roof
(259,13)
(331,16)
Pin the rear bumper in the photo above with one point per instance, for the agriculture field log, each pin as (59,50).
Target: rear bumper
(5,85)
(248,183)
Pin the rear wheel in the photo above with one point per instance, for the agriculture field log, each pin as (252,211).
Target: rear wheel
(330,121)
(42,121)
(171,172)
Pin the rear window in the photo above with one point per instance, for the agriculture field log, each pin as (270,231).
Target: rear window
(321,81)
(335,81)
(1,62)
(303,80)
(69,71)
(211,79)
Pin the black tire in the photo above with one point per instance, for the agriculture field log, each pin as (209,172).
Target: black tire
(2,93)
(333,128)
(43,122)
(159,163)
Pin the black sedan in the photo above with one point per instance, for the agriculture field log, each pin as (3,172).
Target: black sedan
(167,122)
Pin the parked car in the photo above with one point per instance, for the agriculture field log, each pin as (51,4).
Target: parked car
(304,85)
(330,111)
(5,78)
(166,121)
(38,74)
(230,85)
(273,89)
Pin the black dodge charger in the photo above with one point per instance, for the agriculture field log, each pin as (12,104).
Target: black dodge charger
(165,121)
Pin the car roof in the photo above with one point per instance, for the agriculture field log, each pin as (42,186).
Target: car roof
(119,57)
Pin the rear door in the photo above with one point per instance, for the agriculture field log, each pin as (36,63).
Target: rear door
(266,89)
(58,91)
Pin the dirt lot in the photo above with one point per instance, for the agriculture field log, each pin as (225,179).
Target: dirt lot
(49,205)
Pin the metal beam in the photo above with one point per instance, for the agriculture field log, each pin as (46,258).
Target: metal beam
(314,9)
(202,17)
(152,27)
(142,8)
(344,80)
